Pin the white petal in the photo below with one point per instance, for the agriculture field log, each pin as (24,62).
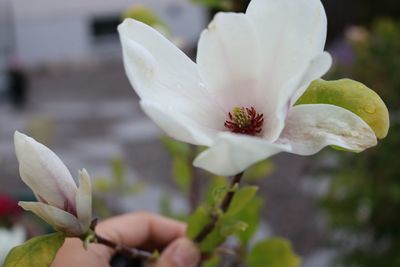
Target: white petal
(44,172)
(84,201)
(318,67)
(309,128)
(292,34)
(61,221)
(233,153)
(179,126)
(228,59)
(161,73)
(275,121)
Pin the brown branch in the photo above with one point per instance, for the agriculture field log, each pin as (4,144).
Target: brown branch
(225,204)
(132,253)
(231,193)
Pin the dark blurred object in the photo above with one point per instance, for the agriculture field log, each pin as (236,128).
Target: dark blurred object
(121,261)
(215,6)
(105,27)
(224,5)
(363,200)
(18,83)
(9,210)
(342,13)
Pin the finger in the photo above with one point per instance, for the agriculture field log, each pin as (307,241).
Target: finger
(133,230)
(73,254)
(141,230)
(181,253)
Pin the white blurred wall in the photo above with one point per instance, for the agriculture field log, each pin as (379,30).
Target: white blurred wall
(49,31)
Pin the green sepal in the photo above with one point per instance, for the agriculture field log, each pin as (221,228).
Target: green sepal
(353,96)
(36,252)
(89,238)
(274,252)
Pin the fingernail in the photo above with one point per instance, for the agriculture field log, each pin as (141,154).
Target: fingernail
(186,254)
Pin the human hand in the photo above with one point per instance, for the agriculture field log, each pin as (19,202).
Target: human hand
(138,230)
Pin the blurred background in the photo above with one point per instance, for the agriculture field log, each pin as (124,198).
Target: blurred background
(62,81)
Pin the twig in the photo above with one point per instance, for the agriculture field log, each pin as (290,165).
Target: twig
(231,193)
(132,253)
(226,202)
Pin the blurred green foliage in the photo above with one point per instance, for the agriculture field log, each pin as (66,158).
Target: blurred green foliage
(147,16)
(363,199)
(274,252)
(107,189)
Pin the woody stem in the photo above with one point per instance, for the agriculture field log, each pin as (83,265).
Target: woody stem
(225,204)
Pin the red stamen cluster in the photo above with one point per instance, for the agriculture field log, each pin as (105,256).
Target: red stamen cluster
(245,121)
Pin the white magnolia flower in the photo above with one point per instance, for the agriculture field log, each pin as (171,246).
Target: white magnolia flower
(238,99)
(60,202)
(10,238)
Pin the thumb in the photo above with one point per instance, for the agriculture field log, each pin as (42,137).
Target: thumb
(180,253)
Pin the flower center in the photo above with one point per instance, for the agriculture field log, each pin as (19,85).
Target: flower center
(244,121)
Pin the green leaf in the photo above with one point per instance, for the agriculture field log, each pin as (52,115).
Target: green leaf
(275,252)
(229,229)
(251,215)
(259,171)
(37,252)
(218,187)
(176,148)
(230,223)
(182,173)
(226,226)
(241,199)
(197,221)
(353,96)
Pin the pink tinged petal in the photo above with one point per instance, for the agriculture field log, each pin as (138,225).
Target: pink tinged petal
(233,153)
(45,173)
(162,74)
(84,201)
(292,34)
(61,221)
(309,128)
(177,125)
(228,59)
